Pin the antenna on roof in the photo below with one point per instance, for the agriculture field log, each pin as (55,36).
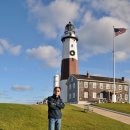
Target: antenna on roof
(88,75)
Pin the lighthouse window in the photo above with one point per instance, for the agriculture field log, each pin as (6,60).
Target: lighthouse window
(66,32)
(71,45)
(72,52)
(63,40)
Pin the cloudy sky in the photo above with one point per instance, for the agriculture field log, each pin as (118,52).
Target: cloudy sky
(30,43)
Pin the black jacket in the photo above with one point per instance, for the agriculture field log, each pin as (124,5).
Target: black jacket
(55,105)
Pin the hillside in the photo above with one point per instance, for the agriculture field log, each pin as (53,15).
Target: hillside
(34,117)
(120,107)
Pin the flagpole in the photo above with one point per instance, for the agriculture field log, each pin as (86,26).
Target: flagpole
(114,86)
(116,32)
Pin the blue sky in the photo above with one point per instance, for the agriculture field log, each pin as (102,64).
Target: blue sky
(30,43)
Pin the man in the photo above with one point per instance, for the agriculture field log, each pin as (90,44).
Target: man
(55,105)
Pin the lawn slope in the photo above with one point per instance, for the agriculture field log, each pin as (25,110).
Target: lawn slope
(34,117)
(125,108)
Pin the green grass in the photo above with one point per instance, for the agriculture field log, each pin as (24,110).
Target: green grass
(34,117)
(125,108)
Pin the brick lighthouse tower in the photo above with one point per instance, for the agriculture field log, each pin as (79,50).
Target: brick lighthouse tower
(69,57)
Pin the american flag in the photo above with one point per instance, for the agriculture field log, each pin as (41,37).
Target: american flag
(119,31)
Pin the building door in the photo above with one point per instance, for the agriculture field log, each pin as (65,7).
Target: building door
(101,95)
(106,95)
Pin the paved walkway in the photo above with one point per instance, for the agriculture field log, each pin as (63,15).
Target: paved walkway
(110,114)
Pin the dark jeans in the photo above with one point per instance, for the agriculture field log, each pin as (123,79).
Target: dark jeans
(54,123)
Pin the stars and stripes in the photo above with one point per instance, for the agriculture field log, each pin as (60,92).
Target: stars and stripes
(119,31)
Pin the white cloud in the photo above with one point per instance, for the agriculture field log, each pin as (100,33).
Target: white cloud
(95,23)
(116,8)
(121,56)
(53,17)
(96,35)
(2,94)
(1,50)
(21,88)
(15,50)
(96,32)
(5,46)
(128,80)
(127,71)
(4,43)
(48,54)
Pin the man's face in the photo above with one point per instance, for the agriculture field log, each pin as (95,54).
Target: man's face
(57,92)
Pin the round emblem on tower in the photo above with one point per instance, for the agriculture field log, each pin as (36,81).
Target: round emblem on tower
(72,52)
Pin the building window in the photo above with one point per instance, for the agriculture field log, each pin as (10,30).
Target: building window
(80,82)
(85,84)
(101,85)
(73,95)
(70,96)
(126,96)
(101,95)
(71,79)
(85,94)
(73,85)
(120,87)
(69,86)
(113,86)
(120,96)
(94,85)
(94,94)
(126,88)
(107,86)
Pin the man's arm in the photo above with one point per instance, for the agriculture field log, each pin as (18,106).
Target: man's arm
(60,104)
(51,104)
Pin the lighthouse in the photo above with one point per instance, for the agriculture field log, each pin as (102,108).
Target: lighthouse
(69,63)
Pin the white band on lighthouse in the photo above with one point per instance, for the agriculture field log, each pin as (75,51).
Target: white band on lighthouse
(69,49)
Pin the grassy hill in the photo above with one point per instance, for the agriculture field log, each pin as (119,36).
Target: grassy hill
(34,117)
(125,108)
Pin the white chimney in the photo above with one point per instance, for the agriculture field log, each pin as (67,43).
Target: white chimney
(56,81)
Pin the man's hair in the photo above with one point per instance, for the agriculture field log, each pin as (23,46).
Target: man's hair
(56,88)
